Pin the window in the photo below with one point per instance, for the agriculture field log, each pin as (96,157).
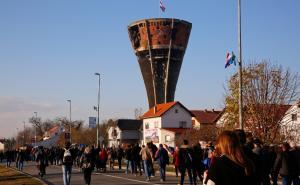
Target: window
(182,124)
(294,117)
(146,125)
(167,138)
(176,111)
(156,124)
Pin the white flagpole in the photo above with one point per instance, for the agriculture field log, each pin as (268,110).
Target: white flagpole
(240,68)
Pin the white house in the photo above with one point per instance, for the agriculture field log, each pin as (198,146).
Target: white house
(1,146)
(290,124)
(126,131)
(163,123)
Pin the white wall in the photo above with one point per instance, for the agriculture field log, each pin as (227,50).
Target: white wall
(1,146)
(171,119)
(290,128)
(163,135)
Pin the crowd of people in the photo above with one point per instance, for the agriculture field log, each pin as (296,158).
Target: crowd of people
(233,159)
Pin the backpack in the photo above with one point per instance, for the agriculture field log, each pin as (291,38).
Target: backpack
(187,157)
(67,159)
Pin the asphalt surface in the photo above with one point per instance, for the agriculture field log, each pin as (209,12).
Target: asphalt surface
(54,177)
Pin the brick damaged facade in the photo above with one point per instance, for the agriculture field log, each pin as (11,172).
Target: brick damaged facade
(159,45)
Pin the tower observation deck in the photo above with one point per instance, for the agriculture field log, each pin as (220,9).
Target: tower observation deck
(159,45)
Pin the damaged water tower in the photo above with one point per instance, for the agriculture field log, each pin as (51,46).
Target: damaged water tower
(159,45)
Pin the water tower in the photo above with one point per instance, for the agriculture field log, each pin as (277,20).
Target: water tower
(159,45)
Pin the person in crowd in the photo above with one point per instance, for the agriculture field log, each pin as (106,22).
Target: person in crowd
(231,167)
(1,156)
(273,154)
(103,157)
(9,157)
(162,158)
(41,161)
(286,164)
(153,149)
(128,157)
(110,159)
(20,159)
(87,164)
(247,148)
(207,162)
(67,163)
(136,159)
(147,160)
(120,155)
(176,160)
(185,162)
(295,152)
(197,164)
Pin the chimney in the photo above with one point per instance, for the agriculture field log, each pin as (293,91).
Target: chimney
(155,109)
(213,110)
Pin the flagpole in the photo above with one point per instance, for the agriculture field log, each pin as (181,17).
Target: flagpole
(241,125)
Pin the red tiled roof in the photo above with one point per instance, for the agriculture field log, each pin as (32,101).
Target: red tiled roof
(161,109)
(206,116)
(177,130)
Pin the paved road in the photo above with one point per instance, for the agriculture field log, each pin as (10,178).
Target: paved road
(54,177)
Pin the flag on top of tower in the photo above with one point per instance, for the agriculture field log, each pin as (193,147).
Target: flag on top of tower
(162,6)
(230,58)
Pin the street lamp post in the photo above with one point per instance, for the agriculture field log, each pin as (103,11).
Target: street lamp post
(98,74)
(35,121)
(24,134)
(70,128)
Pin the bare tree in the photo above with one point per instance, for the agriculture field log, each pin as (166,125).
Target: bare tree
(138,112)
(268,90)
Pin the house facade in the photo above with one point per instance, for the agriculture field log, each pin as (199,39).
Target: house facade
(163,123)
(1,146)
(126,131)
(290,124)
(203,118)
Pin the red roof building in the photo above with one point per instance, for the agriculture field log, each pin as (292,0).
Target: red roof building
(204,117)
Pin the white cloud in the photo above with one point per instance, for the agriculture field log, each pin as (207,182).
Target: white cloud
(15,110)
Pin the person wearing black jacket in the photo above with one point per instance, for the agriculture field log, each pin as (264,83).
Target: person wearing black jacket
(162,158)
(120,155)
(185,162)
(231,166)
(286,165)
(87,164)
(136,159)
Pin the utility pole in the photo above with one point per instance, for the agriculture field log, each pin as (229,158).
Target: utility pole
(240,68)
(98,74)
(70,127)
(35,121)
(24,134)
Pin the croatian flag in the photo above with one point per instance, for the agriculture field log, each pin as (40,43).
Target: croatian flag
(230,58)
(162,6)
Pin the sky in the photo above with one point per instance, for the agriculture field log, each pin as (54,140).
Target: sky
(50,50)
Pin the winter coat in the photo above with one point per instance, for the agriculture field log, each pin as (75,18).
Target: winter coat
(286,164)
(162,157)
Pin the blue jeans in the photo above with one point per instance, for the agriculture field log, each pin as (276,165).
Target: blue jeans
(67,170)
(162,172)
(20,165)
(129,165)
(182,172)
(146,168)
(286,180)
